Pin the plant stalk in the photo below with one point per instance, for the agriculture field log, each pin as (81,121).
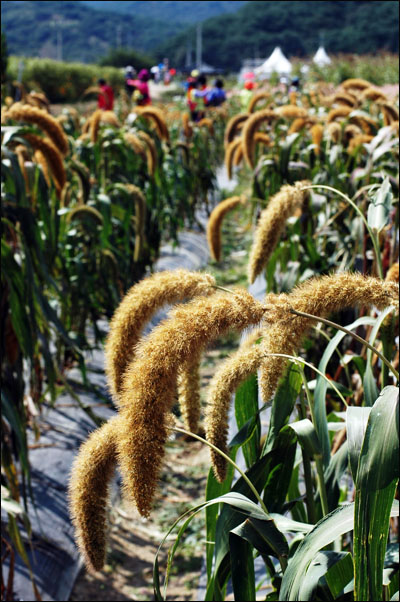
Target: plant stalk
(352,334)
(360,213)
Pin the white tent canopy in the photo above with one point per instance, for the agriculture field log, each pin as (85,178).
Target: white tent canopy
(321,58)
(276,63)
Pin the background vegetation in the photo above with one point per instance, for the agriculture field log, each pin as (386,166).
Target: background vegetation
(253,30)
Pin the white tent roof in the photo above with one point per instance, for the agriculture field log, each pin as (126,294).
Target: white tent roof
(277,63)
(321,58)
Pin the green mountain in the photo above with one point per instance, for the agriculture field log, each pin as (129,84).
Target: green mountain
(43,28)
(296,26)
(181,12)
(46,28)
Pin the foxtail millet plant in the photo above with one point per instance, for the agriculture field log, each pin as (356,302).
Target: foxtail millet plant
(110,118)
(318,296)
(133,141)
(338,113)
(393,273)
(291,112)
(283,335)
(150,150)
(157,117)
(374,94)
(256,98)
(149,383)
(53,158)
(232,127)
(271,224)
(189,399)
(45,121)
(227,378)
(136,309)
(355,83)
(250,127)
(94,125)
(88,491)
(140,217)
(215,222)
(229,154)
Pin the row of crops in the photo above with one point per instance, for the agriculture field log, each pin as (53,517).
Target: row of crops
(87,200)
(86,203)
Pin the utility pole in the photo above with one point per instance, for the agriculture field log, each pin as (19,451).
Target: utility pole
(118,38)
(188,62)
(199,44)
(59,23)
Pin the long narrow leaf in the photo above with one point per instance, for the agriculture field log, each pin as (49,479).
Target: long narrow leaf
(376,481)
(332,526)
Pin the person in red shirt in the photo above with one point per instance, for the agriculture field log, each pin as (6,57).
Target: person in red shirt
(105,99)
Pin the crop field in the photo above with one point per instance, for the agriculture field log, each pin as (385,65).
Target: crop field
(280,358)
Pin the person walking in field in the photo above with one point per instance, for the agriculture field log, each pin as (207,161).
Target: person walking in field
(142,92)
(216,96)
(105,100)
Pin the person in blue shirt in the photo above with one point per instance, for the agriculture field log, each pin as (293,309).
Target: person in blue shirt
(216,96)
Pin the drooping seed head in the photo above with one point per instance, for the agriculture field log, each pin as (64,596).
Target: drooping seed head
(149,384)
(45,121)
(271,224)
(88,492)
(136,309)
(215,222)
(318,296)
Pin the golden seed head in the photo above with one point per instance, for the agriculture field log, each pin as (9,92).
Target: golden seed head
(229,154)
(339,113)
(157,117)
(271,224)
(318,296)
(136,309)
(356,84)
(226,380)
(150,150)
(88,492)
(291,112)
(393,273)
(189,393)
(256,98)
(250,127)
(45,121)
(232,127)
(215,222)
(52,156)
(148,390)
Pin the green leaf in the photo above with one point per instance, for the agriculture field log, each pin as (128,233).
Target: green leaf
(340,575)
(333,474)
(356,424)
(215,489)
(380,206)
(314,578)
(283,404)
(264,536)
(242,504)
(229,518)
(376,481)
(307,436)
(322,387)
(242,563)
(246,406)
(279,469)
(329,528)
(371,391)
